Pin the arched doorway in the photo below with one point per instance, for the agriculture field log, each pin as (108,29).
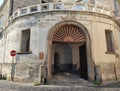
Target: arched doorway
(70,35)
(74,36)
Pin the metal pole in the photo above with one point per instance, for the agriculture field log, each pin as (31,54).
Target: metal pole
(115,72)
(12,69)
(40,74)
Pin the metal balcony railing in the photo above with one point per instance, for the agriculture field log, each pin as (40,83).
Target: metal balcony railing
(59,7)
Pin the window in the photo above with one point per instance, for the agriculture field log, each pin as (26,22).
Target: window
(25,41)
(109,40)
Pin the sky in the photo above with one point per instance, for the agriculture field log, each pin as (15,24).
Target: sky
(1,1)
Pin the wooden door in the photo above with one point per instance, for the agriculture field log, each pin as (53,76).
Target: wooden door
(83,62)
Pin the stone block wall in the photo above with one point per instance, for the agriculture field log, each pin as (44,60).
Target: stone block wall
(23,72)
(26,72)
(6,69)
(109,72)
(117,66)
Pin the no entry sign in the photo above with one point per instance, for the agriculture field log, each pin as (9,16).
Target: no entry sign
(13,53)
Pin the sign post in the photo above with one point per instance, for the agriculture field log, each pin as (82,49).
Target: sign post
(13,54)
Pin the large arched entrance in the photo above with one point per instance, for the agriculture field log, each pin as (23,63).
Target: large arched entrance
(69,50)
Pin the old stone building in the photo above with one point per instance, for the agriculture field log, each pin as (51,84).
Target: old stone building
(52,36)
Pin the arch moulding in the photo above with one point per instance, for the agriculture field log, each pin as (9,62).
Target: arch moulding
(88,47)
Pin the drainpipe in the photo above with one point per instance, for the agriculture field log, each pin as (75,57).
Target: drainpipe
(115,7)
(11,7)
(115,72)
(115,4)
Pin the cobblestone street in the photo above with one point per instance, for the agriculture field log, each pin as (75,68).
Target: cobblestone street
(12,86)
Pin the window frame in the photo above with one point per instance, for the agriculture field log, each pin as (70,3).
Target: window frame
(109,38)
(24,50)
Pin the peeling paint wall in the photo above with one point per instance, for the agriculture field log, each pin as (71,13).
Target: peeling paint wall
(41,24)
(5,13)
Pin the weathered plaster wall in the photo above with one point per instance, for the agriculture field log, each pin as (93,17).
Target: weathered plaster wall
(41,24)
(107,3)
(5,13)
(17,4)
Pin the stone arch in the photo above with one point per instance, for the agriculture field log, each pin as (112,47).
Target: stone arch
(88,47)
(68,33)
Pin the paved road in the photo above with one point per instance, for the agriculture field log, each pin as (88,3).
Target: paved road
(12,86)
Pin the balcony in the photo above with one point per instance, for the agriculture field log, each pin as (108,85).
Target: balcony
(60,7)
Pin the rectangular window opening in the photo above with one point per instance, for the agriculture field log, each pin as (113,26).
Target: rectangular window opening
(32,9)
(109,40)
(25,41)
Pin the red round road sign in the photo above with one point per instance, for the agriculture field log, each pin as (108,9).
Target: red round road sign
(13,53)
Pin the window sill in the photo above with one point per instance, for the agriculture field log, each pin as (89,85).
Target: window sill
(24,52)
(110,52)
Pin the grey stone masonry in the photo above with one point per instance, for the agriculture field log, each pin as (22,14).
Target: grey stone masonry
(12,86)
